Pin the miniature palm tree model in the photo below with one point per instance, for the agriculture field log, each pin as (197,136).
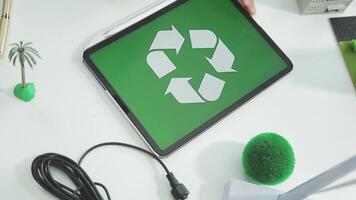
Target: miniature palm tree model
(24,54)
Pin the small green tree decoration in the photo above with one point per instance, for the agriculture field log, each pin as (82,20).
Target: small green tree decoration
(24,54)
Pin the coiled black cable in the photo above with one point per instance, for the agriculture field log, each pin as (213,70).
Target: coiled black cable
(41,172)
(86,189)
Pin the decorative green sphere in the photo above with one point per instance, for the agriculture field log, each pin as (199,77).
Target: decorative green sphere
(268,159)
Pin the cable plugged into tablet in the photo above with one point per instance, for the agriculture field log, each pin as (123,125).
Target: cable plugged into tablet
(179,191)
(86,188)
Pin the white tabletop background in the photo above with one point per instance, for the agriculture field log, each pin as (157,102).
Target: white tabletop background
(314,107)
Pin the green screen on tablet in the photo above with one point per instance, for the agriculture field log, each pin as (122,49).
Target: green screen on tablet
(184,68)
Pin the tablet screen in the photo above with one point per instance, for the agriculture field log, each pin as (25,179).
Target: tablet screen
(183,69)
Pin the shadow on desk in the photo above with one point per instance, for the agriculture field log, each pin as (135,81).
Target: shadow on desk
(321,69)
(217,164)
(287,5)
(6,99)
(6,93)
(28,184)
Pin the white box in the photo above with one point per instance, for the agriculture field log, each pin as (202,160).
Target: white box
(309,7)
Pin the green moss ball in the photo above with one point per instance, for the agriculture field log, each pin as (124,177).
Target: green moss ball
(268,159)
(353,45)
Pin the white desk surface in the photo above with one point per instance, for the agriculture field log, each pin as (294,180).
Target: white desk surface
(314,107)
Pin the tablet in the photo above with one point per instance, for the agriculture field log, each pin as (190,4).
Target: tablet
(184,68)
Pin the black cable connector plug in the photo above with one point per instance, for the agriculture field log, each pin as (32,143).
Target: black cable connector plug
(179,191)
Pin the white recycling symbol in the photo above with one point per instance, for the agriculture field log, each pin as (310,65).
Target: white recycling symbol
(211,87)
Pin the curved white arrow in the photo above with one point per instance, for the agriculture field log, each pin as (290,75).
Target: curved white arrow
(203,39)
(168,39)
(223,59)
(181,89)
(160,63)
(211,87)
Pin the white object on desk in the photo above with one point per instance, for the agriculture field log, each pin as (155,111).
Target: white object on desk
(239,190)
(309,7)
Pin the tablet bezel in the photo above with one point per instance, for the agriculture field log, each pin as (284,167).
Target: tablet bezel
(138,125)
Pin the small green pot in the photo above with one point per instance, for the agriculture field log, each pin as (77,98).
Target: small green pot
(25,93)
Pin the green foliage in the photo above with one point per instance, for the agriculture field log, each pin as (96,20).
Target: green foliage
(353,45)
(268,159)
(23,53)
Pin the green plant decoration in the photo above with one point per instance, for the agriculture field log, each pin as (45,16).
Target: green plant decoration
(24,54)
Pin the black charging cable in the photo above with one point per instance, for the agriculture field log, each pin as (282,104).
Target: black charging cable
(86,189)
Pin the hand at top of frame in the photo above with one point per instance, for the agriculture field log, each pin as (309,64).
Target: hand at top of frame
(249,5)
